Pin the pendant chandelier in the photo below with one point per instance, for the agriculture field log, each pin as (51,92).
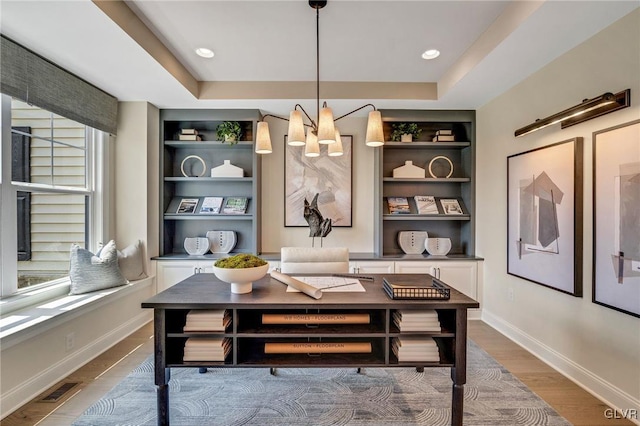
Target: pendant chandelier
(323,130)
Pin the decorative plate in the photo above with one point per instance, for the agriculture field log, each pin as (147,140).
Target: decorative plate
(221,241)
(412,242)
(196,246)
(438,246)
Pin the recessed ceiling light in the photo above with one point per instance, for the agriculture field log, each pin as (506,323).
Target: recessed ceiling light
(431,54)
(204,52)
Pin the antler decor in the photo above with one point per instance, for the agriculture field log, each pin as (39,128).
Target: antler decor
(318,226)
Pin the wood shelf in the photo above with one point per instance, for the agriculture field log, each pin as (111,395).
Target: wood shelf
(205,179)
(427,180)
(405,217)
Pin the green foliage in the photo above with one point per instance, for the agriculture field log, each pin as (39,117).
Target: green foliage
(229,131)
(239,261)
(399,129)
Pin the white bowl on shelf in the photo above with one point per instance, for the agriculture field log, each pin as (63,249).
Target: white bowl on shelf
(221,241)
(412,242)
(196,246)
(241,279)
(438,246)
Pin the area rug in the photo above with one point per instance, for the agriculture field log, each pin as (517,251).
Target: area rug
(320,396)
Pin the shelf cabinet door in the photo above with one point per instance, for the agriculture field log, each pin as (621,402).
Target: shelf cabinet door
(371,267)
(172,272)
(462,275)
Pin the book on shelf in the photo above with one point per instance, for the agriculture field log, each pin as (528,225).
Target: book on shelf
(211,205)
(235,205)
(415,349)
(207,320)
(444,132)
(417,320)
(188,132)
(444,138)
(317,347)
(187,205)
(206,349)
(398,205)
(451,206)
(426,204)
(189,137)
(351,318)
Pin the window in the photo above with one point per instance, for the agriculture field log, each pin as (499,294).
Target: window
(52,194)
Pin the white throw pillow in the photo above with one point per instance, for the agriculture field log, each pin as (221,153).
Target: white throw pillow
(131,261)
(89,272)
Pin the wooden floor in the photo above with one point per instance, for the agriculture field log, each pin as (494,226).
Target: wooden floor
(103,373)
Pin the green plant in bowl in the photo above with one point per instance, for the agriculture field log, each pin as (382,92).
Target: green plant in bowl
(229,131)
(399,129)
(240,271)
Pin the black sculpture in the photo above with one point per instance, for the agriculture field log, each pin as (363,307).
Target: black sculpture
(318,226)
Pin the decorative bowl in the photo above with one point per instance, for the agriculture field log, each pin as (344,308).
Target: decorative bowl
(196,246)
(221,241)
(241,279)
(438,246)
(412,242)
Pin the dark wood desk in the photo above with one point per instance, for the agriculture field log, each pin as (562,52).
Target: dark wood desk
(248,335)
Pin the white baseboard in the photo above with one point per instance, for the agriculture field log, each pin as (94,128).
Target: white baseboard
(20,395)
(608,393)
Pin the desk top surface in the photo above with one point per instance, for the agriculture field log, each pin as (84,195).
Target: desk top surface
(206,291)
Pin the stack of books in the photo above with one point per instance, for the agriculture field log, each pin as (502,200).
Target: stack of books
(415,349)
(206,348)
(189,135)
(422,320)
(207,320)
(444,135)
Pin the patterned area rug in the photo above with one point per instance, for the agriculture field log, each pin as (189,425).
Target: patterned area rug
(318,396)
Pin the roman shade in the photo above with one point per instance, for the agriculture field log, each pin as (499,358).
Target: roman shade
(37,81)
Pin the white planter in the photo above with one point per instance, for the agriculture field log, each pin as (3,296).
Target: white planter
(407,137)
(241,279)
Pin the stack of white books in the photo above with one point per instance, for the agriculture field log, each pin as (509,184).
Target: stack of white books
(444,135)
(415,348)
(417,320)
(207,320)
(206,348)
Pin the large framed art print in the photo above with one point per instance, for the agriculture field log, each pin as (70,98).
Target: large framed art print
(616,218)
(329,177)
(544,202)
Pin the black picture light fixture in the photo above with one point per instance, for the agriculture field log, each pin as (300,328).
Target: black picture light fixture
(588,109)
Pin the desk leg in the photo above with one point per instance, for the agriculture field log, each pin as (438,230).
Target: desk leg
(459,370)
(162,373)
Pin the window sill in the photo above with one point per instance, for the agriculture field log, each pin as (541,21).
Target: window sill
(18,324)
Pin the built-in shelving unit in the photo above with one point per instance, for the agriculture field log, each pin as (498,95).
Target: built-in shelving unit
(460,185)
(175,227)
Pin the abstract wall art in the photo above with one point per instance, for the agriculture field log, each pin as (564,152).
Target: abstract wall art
(616,218)
(330,177)
(545,216)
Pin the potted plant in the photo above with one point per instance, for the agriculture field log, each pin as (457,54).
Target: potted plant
(229,131)
(405,132)
(240,271)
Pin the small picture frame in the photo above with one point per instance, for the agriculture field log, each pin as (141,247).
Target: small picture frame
(451,206)
(187,206)
(235,205)
(211,205)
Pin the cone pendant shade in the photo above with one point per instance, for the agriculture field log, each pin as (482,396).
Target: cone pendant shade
(263,139)
(335,149)
(375,136)
(295,135)
(312,148)
(326,127)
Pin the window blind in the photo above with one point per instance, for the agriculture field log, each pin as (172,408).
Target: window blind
(37,81)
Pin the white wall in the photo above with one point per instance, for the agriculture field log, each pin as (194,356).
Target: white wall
(597,346)
(358,238)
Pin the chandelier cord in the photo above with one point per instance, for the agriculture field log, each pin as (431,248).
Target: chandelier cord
(317,67)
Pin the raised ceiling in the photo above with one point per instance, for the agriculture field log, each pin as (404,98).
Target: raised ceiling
(265,50)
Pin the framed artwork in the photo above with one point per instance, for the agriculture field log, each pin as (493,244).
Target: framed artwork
(616,218)
(330,177)
(544,202)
